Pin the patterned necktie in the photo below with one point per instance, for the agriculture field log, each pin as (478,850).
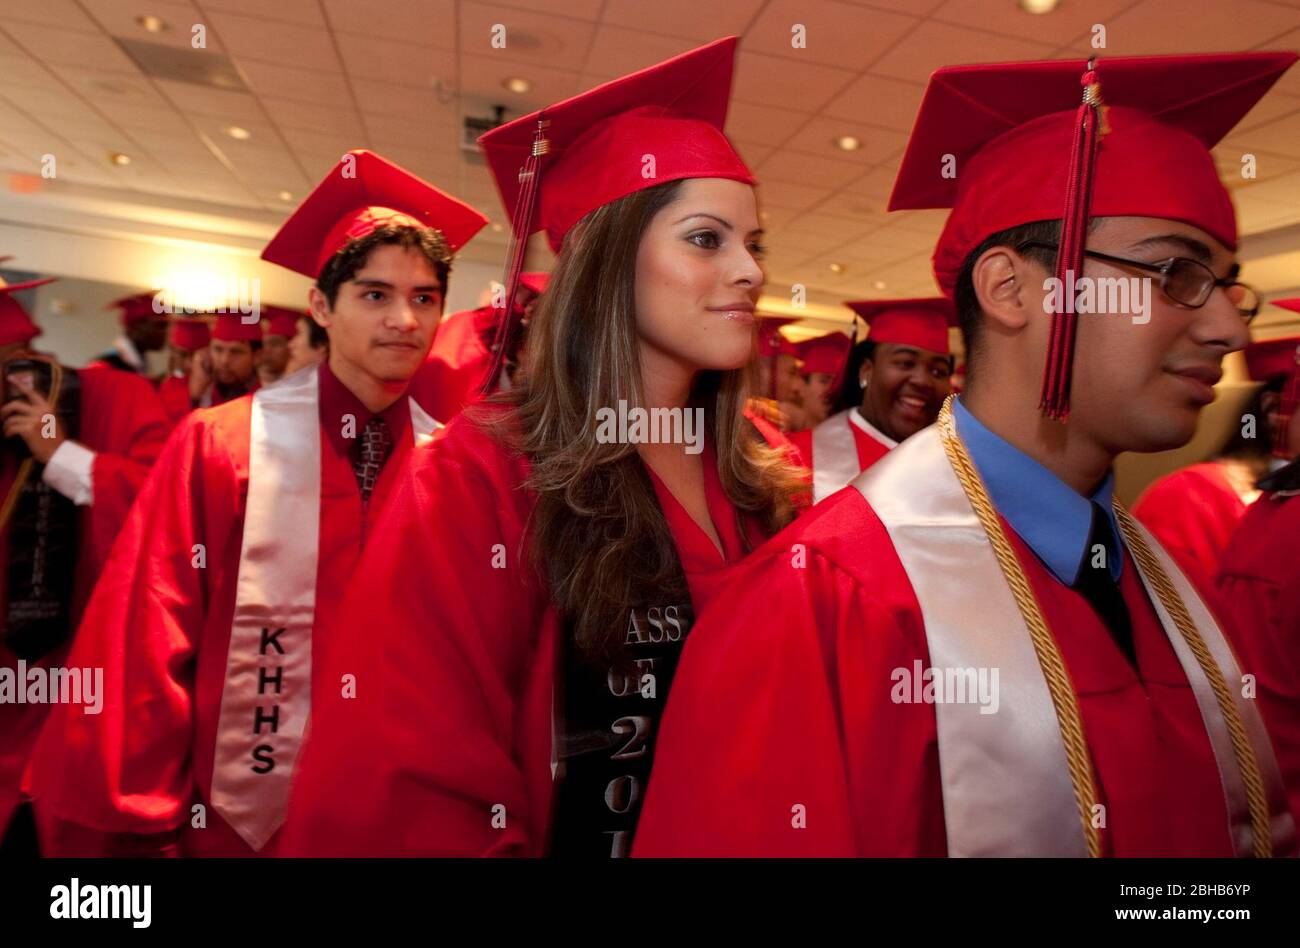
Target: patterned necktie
(373,448)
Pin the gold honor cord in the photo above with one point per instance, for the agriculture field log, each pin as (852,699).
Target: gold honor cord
(1058,680)
(1242,749)
(1049,658)
(25,468)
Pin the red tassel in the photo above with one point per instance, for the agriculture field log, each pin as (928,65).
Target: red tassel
(521,226)
(1054,401)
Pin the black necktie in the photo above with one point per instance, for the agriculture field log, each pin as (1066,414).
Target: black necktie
(1101,591)
(373,448)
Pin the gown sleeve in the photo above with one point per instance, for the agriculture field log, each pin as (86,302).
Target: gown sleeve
(442,746)
(780,737)
(101,781)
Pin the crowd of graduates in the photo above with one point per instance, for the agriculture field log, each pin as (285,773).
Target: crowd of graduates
(361,580)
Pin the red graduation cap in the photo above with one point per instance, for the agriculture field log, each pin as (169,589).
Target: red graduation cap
(280,321)
(190,335)
(135,308)
(555,166)
(15,324)
(536,281)
(597,142)
(357,198)
(770,341)
(231,327)
(919,322)
(826,354)
(1026,149)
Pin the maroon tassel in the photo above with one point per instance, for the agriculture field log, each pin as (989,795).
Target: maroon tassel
(1054,401)
(521,226)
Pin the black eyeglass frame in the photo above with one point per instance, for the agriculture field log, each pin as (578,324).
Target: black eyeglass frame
(1163,268)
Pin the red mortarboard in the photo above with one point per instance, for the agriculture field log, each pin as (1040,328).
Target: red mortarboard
(920,322)
(281,321)
(536,281)
(1025,150)
(15,324)
(136,308)
(230,327)
(598,141)
(824,354)
(770,340)
(191,335)
(1270,357)
(357,198)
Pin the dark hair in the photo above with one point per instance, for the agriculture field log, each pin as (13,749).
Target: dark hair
(317,337)
(1261,446)
(969,315)
(345,263)
(598,532)
(850,393)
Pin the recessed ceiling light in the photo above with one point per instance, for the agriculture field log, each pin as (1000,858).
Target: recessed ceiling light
(497,228)
(879,284)
(239,133)
(286,196)
(848,143)
(1038,6)
(517,84)
(151,24)
(837,268)
(117,158)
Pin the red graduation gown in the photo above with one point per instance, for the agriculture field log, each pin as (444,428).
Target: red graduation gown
(869,449)
(160,628)
(457,364)
(122,421)
(455,662)
(1193,513)
(1259,585)
(174,393)
(784,698)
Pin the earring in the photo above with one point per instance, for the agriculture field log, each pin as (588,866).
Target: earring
(862,384)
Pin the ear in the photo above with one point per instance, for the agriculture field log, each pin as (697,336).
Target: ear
(1000,280)
(864,373)
(319,307)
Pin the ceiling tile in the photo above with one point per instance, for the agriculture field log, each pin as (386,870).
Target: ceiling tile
(836,34)
(1181,26)
(482,78)
(689,19)
(428,23)
(797,168)
(573,9)
(61,47)
(617,51)
(118,18)
(787,83)
(273,41)
(404,64)
(761,124)
(937,44)
(236,107)
(297,11)
(878,100)
(339,118)
(22,70)
(878,144)
(530,37)
(1063,25)
(65,14)
(305,85)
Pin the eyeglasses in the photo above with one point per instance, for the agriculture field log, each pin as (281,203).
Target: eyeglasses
(1185,281)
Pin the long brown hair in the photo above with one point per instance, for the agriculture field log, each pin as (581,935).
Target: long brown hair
(599,535)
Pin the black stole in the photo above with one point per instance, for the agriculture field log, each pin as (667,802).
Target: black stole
(43,536)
